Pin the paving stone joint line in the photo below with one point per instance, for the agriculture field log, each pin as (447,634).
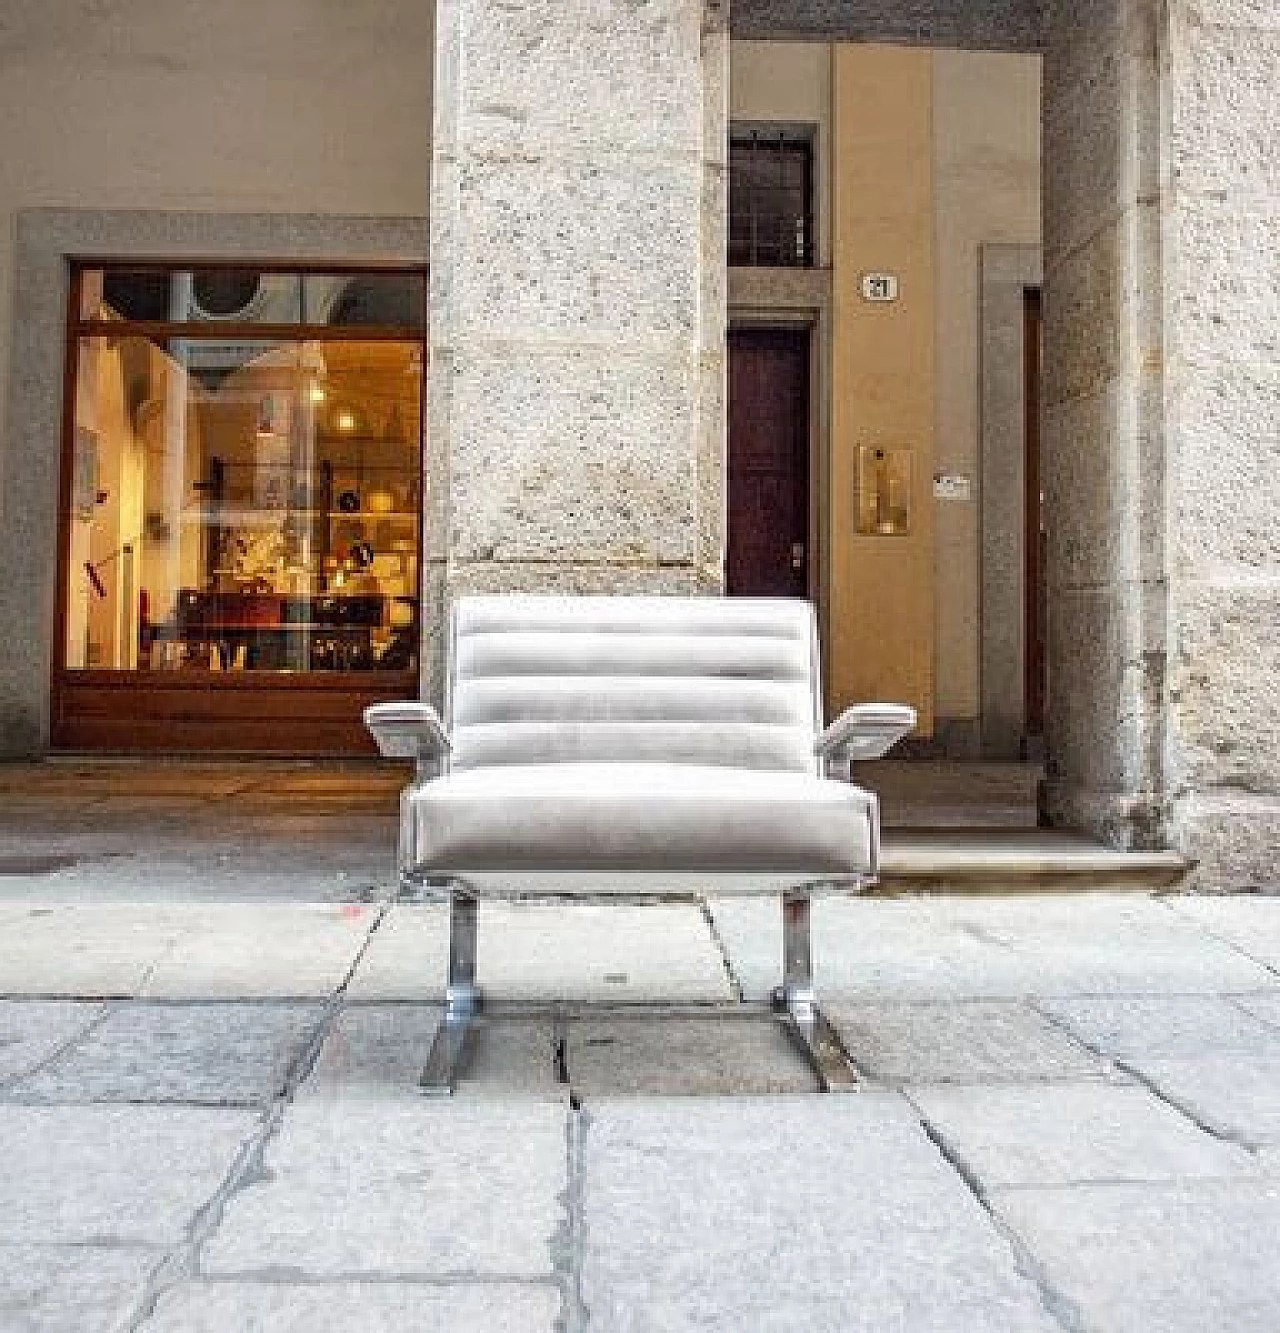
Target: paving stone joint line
(569,1243)
(181,1263)
(1131,1070)
(721,944)
(73,1042)
(1224,940)
(1059,1307)
(285,1275)
(1234,998)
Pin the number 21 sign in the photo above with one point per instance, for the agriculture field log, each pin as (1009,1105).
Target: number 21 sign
(880,287)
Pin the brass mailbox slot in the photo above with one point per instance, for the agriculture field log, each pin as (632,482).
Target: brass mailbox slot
(884,491)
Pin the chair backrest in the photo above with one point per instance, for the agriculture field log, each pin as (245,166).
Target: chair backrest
(698,680)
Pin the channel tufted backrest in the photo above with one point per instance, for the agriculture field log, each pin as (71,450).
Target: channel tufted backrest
(698,680)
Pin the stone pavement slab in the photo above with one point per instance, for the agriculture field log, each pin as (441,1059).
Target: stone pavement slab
(663,1055)
(300,872)
(1238,1095)
(804,1214)
(71,1288)
(513,1057)
(217,1054)
(1064,1133)
(1264,1005)
(1250,921)
(268,950)
(356,1307)
(578,952)
(379,1051)
(31,1031)
(83,950)
(112,1175)
(1177,1258)
(996,948)
(963,1041)
(435,1188)
(1130,1027)
(180,950)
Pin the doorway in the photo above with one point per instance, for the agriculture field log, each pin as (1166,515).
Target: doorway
(1036,540)
(768,544)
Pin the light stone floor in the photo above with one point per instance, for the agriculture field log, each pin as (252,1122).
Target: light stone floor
(213,1008)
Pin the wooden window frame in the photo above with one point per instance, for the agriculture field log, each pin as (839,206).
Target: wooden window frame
(227,712)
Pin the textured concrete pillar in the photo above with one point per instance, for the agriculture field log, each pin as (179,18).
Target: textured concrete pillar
(576,427)
(1162,426)
(1222,301)
(1104,437)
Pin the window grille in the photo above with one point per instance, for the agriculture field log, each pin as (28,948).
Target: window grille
(770,198)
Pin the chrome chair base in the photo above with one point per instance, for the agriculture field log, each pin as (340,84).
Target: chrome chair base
(795,1001)
(451,1047)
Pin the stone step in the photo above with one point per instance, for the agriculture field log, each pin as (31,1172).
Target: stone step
(1003,860)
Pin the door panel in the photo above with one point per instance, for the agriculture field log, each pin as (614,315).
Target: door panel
(768,552)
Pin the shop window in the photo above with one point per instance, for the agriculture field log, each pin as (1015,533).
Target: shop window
(244,478)
(771,198)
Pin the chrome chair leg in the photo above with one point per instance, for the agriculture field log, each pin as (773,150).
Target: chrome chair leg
(463,1000)
(798,1001)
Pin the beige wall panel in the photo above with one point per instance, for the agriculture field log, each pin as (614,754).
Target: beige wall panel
(881,616)
(789,83)
(297,106)
(986,116)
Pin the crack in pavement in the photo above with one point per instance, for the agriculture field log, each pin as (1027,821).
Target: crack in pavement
(722,946)
(181,1262)
(1059,1307)
(1131,1070)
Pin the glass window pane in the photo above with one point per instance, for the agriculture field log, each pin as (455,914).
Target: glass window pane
(244,505)
(366,300)
(390,300)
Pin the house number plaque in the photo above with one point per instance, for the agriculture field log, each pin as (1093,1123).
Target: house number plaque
(881,288)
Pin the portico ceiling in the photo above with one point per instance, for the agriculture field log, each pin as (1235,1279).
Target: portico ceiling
(980,25)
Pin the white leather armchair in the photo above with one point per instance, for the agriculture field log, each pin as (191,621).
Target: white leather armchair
(636,745)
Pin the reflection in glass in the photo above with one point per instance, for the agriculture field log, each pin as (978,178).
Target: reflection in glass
(367,299)
(244,505)
(884,491)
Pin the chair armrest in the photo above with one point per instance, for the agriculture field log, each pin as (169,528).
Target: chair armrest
(408,730)
(865,731)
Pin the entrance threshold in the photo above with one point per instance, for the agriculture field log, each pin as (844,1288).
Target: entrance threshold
(1006,860)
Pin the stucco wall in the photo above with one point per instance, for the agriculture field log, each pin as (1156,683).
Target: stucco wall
(880,609)
(986,125)
(297,106)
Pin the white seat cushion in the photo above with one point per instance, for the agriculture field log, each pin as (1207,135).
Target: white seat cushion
(642,818)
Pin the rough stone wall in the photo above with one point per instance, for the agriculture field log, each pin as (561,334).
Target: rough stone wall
(576,434)
(1162,426)
(1104,439)
(973,25)
(1222,108)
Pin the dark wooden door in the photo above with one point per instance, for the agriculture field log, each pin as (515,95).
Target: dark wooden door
(768,553)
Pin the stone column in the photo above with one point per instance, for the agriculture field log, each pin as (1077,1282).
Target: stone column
(576,389)
(1162,426)
(1103,422)
(1222,302)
